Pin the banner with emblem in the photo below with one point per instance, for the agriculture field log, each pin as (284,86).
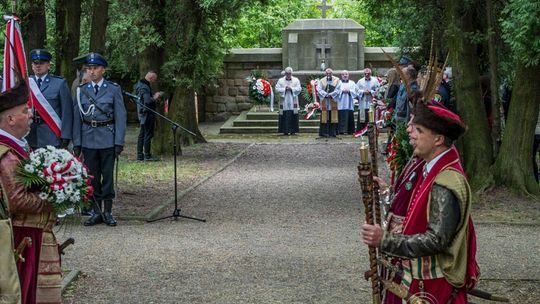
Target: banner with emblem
(14,63)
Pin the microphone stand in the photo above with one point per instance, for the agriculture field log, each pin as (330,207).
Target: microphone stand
(175,126)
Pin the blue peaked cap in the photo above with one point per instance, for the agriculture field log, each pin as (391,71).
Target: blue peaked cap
(404,60)
(40,55)
(96,59)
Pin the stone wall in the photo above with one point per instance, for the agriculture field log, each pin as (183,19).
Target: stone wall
(230,95)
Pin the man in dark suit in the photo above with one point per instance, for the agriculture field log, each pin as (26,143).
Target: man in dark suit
(57,95)
(146,117)
(98,132)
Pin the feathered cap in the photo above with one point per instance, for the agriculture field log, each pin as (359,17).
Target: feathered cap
(439,119)
(14,97)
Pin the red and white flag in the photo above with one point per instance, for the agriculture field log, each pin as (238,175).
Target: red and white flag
(15,60)
(361,132)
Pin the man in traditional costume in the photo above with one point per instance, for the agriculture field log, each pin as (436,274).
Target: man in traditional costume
(434,245)
(99,131)
(288,88)
(367,88)
(328,89)
(56,94)
(40,274)
(345,98)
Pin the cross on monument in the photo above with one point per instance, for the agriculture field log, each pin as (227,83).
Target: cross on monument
(323,8)
(321,49)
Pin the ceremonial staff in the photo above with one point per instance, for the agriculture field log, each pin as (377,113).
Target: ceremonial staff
(365,177)
(372,137)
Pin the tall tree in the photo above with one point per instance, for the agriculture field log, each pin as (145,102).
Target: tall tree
(100,19)
(521,30)
(476,145)
(195,50)
(68,32)
(33,24)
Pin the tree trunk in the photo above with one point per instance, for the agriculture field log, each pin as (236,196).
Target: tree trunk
(33,25)
(182,107)
(476,145)
(513,166)
(494,77)
(68,33)
(60,31)
(100,18)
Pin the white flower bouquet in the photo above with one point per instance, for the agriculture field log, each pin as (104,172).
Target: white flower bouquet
(61,178)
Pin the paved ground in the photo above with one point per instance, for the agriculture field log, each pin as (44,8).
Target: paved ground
(282,227)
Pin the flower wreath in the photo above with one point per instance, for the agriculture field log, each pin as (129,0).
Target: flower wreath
(61,178)
(261,92)
(313,106)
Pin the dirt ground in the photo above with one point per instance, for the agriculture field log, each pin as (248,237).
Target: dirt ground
(137,196)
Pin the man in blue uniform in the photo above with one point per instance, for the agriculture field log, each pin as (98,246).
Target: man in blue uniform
(57,95)
(98,132)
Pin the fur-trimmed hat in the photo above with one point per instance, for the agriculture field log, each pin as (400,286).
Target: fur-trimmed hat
(14,97)
(439,119)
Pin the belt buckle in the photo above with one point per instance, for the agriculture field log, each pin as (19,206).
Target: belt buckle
(93,123)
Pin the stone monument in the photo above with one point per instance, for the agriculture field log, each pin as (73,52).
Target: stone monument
(309,44)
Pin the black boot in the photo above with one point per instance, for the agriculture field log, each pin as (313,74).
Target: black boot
(107,214)
(96,217)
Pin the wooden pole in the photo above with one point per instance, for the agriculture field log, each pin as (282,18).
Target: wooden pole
(365,177)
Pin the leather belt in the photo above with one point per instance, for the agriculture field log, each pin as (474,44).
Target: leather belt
(99,123)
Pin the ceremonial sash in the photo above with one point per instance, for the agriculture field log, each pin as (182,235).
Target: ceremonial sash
(44,108)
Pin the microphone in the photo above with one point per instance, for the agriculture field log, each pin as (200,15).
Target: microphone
(131,95)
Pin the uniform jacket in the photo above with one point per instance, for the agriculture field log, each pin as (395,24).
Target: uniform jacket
(56,91)
(144,91)
(107,105)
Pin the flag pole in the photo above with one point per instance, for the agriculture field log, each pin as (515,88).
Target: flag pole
(13,6)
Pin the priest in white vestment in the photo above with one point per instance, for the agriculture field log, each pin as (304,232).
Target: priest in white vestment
(328,88)
(345,100)
(288,87)
(367,88)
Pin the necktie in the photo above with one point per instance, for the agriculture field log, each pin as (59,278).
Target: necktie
(96,89)
(39,81)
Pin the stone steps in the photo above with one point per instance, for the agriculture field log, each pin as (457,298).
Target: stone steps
(251,122)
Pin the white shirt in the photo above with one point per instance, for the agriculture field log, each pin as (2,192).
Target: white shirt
(429,166)
(100,83)
(21,142)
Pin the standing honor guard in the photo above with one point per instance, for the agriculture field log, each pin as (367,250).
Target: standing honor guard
(328,89)
(55,97)
(98,132)
(345,98)
(288,88)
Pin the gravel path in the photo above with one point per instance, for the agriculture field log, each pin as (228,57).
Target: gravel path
(282,227)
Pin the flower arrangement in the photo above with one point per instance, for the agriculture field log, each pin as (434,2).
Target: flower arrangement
(309,93)
(61,178)
(260,90)
(399,150)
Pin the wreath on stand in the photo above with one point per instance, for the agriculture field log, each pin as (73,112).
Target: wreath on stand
(309,93)
(260,90)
